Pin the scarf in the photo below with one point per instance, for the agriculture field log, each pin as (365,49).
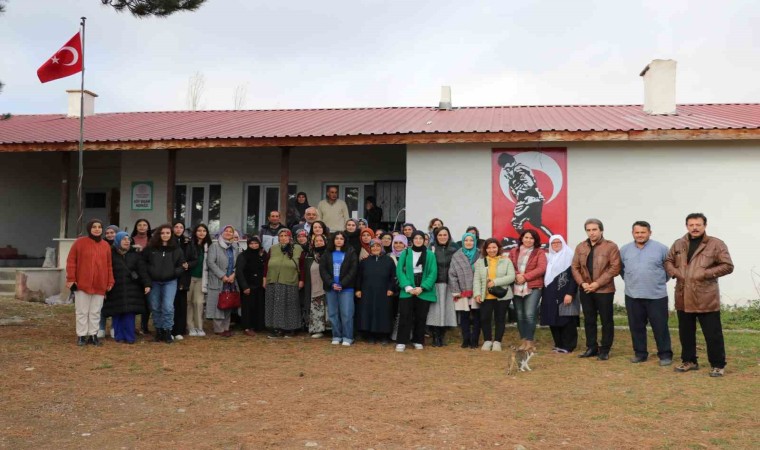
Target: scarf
(371,238)
(557,262)
(90,224)
(229,251)
(398,238)
(471,254)
(376,242)
(117,240)
(422,249)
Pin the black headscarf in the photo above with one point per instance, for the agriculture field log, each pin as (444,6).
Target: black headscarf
(422,249)
(301,207)
(89,229)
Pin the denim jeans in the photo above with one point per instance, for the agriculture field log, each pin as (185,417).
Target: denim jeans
(340,309)
(161,298)
(526,308)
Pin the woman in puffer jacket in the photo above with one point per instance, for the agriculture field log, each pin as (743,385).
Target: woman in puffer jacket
(165,262)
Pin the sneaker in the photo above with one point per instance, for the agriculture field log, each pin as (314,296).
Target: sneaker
(496,346)
(317,335)
(113,334)
(487,346)
(686,366)
(192,332)
(178,337)
(346,344)
(335,342)
(400,347)
(200,332)
(101,334)
(418,346)
(716,372)
(665,362)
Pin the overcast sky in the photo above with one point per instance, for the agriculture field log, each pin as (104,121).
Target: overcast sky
(331,54)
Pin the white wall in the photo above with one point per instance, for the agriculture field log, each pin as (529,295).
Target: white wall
(234,168)
(30,187)
(618,183)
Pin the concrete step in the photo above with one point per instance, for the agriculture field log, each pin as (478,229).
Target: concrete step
(8,274)
(7,288)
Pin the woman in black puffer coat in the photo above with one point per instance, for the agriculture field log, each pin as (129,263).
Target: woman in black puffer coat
(131,283)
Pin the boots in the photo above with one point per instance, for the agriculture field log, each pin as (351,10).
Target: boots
(95,341)
(159,335)
(82,341)
(436,332)
(465,339)
(442,337)
(168,336)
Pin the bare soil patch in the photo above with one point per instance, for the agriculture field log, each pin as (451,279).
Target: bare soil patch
(246,392)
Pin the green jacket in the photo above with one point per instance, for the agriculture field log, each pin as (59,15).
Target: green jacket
(405,274)
(281,269)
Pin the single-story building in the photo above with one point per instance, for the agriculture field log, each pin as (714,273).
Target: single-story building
(619,163)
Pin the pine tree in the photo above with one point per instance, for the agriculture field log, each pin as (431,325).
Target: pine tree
(158,8)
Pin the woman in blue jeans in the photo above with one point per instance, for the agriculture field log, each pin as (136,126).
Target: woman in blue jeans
(165,262)
(338,271)
(529,260)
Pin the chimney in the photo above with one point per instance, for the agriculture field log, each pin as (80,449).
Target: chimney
(660,87)
(445,103)
(74,103)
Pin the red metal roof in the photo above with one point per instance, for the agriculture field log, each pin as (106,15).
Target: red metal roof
(302,123)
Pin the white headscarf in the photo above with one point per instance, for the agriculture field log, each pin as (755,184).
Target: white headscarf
(557,262)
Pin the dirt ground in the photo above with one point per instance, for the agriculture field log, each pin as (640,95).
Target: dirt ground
(243,392)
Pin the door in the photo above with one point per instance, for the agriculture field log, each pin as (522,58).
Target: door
(259,200)
(198,203)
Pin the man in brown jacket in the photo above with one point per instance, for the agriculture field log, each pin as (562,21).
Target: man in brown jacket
(595,265)
(696,261)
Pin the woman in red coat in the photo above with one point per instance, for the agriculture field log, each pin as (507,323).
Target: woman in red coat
(530,264)
(89,274)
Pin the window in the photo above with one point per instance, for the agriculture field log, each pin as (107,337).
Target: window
(198,203)
(260,199)
(353,194)
(95,200)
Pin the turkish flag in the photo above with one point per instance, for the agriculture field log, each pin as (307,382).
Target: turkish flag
(66,61)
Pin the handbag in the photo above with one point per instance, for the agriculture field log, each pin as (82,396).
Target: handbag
(229,298)
(496,291)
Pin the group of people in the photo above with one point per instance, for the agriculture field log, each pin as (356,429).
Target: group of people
(340,275)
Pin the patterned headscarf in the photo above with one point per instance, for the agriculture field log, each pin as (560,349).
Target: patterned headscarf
(399,238)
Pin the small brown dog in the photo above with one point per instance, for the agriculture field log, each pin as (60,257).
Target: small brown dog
(519,359)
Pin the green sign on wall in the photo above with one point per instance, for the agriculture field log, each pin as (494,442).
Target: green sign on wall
(142,195)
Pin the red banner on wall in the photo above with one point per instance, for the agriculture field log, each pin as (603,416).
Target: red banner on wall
(529,191)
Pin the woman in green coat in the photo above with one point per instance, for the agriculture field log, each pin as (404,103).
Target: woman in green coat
(417,272)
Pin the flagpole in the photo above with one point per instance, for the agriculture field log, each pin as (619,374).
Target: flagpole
(80,211)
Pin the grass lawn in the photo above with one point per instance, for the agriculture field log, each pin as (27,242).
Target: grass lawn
(246,392)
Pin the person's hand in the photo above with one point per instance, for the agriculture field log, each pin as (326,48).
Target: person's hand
(300,285)
(231,278)
(593,287)
(584,286)
(520,278)
(69,284)
(336,287)
(490,284)
(247,291)
(478,299)
(389,293)
(363,257)
(108,289)
(264,282)
(225,279)
(568,299)
(358,294)
(456,296)
(147,290)
(418,291)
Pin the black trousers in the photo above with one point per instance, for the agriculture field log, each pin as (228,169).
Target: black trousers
(655,311)
(180,312)
(566,336)
(145,317)
(412,317)
(252,310)
(711,329)
(469,321)
(600,304)
(497,310)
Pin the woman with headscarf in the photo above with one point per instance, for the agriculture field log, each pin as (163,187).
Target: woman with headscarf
(461,275)
(529,260)
(302,239)
(442,313)
(89,274)
(375,286)
(183,283)
(492,271)
(352,236)
(131,284)
(560,306)
(317,318)
(250,278)
(365,237)
(417,272)
(165,263)
(141,234)
(387,240)
(398,245)
(196,298)
(283,278)
(221,274)
(407,229)
(362,224)
(108,236)
(373,213)
(301,205)
(478,242)
(337,269)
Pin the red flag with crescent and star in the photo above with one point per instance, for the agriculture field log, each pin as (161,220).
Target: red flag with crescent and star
(65,62)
